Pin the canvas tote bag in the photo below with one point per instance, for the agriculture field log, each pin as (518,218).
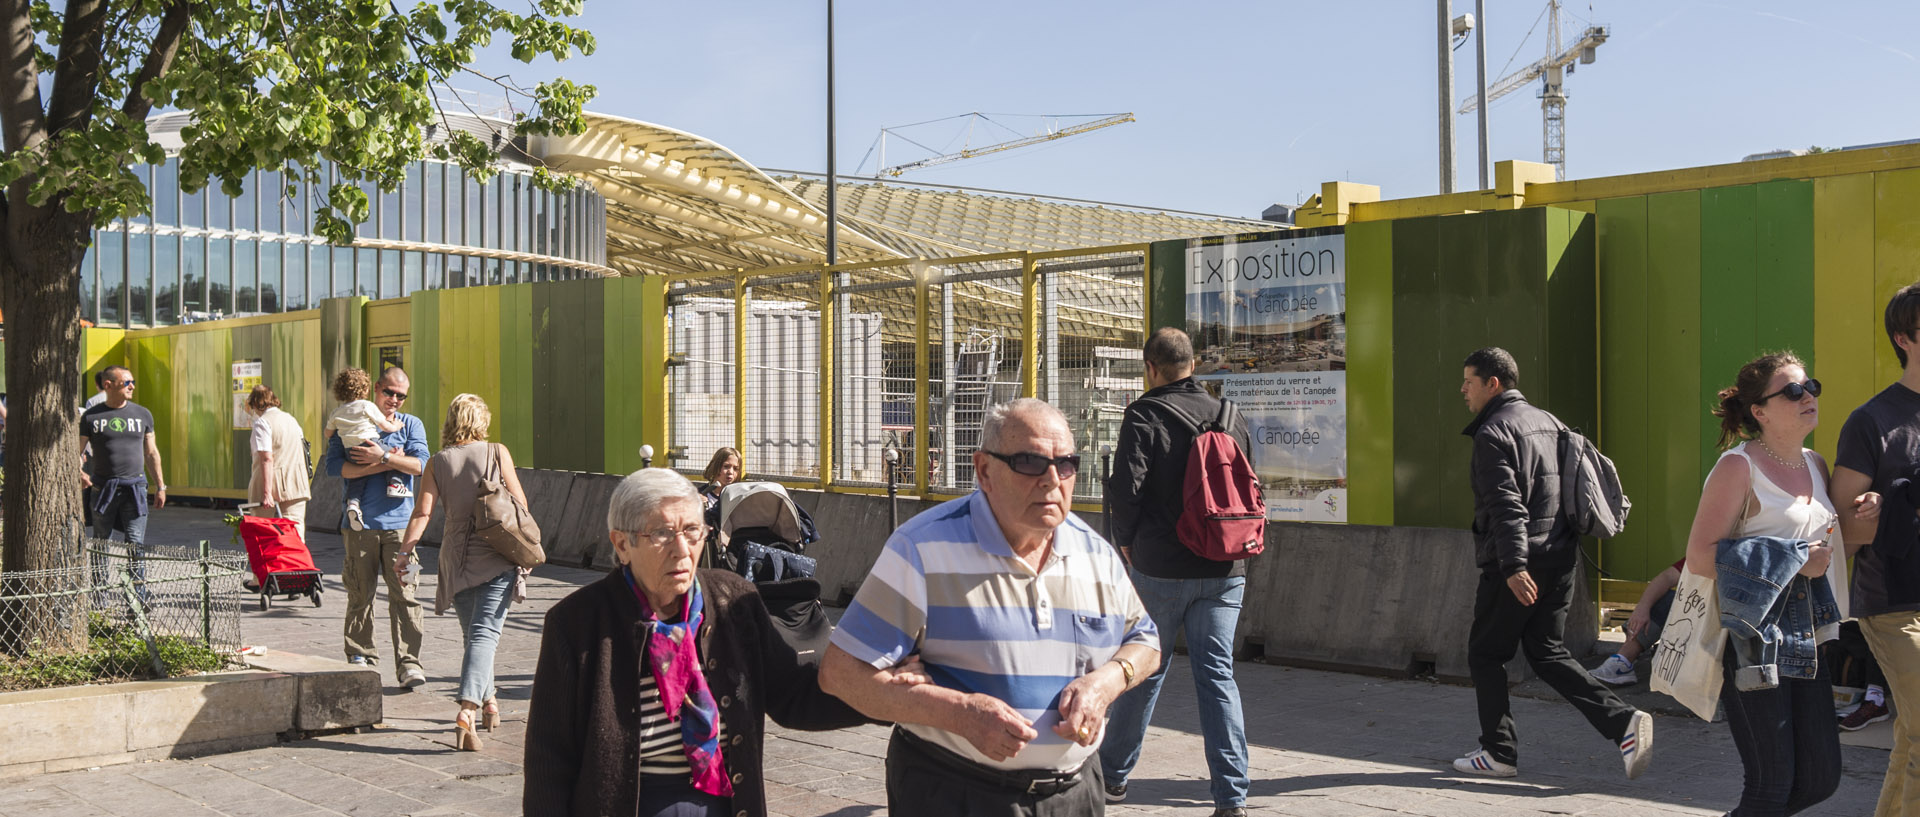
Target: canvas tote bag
(1686,664)
(503,522)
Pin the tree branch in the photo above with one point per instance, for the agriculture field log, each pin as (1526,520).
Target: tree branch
(22,118)
(82,31)
(166,44)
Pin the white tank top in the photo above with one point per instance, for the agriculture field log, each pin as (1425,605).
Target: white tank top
(1790,517)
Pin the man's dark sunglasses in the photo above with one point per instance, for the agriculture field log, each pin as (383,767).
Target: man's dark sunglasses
(126,382)
(400,395)
(1034,465)
(1795,391)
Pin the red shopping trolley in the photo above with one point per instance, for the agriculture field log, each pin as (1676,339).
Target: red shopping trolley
(281,563)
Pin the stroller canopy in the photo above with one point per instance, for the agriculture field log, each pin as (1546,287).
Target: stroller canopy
(760,505)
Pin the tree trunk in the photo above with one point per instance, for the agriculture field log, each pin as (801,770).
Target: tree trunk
(40,291)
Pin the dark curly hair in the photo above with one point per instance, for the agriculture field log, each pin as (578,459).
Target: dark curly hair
(352,384)
(1735,409)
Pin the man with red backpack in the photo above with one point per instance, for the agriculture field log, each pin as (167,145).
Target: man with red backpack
(1183,591)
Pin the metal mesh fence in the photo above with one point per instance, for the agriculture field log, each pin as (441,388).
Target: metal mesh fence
(123,615)
(1093,321)
(783,378)
(701,383)
(980,347)
(874,382)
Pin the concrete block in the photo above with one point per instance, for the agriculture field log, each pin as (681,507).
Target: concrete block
(66,722)
(547,493)
(204,708)
(67,764)
(580,535)
(326,504)
(332,694)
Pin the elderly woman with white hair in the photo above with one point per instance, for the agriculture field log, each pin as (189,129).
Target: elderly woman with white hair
(654,683)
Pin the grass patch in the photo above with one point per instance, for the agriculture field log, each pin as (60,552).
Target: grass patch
(114,653)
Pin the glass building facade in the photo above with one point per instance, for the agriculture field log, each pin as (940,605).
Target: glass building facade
(206,255)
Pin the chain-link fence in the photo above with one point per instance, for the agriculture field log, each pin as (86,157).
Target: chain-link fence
(122,614)
(955,336)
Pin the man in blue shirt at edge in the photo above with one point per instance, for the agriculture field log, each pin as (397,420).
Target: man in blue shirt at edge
(373,552)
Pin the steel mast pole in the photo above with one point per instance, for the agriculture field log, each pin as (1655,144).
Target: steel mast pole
(833,185)
(1480,63)
(1446,97)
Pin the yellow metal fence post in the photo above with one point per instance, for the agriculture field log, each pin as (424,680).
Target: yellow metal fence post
(1029,326)
(654,349)
(923,379)
(827,317)
(740,353)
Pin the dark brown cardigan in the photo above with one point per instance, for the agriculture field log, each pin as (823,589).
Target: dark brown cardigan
(583,733)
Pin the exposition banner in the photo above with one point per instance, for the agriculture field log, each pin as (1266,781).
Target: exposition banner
(1267,314)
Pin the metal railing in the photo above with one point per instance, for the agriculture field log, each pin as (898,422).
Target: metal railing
(121,613)
(814,373)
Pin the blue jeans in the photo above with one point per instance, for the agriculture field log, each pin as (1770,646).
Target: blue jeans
(123,516)
(483,611)
(1206,610)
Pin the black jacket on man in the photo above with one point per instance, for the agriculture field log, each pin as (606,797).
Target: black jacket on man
(1516,484)
(1148,486)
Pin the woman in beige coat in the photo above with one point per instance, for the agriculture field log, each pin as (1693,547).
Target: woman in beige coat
(279,483)
(475,580)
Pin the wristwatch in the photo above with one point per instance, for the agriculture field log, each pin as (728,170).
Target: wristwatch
(384,456)
(1126,669)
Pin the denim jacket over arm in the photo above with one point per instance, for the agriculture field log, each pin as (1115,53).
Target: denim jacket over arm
(1772,614)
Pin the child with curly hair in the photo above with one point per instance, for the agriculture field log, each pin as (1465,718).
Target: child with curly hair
(358,421)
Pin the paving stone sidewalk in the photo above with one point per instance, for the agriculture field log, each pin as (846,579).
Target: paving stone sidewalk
(1323,744)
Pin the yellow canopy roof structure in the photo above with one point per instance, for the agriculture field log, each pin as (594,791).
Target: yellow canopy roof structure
(680,203)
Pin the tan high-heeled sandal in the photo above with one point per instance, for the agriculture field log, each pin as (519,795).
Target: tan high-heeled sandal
(464,738)
(489,715)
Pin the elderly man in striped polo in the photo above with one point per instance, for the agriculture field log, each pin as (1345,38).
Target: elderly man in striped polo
(1026,622)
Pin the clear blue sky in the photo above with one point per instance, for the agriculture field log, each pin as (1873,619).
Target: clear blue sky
(1242,104)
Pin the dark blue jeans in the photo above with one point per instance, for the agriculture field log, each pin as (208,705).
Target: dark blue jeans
(1206,611)
(123,517)
(1788,741)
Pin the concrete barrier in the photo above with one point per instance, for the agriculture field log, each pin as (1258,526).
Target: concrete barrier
(51,730)
(324,507)
(579,535)
(1389,600)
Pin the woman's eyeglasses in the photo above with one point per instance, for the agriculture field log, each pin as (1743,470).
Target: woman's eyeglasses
(1034,465)
(1795,391)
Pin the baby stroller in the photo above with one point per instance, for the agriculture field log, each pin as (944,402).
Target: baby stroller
(763,533)
(281,563)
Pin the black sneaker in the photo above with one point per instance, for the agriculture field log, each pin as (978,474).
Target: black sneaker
(1236,811)
(1116,792)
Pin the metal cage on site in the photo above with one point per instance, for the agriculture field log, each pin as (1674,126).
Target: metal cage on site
(814,373)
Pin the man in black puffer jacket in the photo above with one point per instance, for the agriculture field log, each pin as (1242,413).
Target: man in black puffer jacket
(1527,572)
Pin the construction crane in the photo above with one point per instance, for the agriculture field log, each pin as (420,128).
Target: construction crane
(1553,96)
(1054,130)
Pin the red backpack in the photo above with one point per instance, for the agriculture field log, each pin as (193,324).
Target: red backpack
(1225,516)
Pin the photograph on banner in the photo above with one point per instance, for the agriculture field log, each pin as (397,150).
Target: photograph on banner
(1267,314)
(246,375)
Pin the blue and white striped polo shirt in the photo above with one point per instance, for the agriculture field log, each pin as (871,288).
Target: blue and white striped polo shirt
(949,587)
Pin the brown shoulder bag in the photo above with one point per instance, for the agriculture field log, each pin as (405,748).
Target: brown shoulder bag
(502,521)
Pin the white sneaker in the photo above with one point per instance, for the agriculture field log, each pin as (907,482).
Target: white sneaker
(1636,749)
(1616,670)
(413,678)
(397,488)
(353,516)
(1480,763)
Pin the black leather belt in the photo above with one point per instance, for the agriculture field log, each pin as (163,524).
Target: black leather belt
(1040,782)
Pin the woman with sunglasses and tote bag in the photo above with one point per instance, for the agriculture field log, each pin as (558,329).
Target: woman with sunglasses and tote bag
(476,580)
(1769,485)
